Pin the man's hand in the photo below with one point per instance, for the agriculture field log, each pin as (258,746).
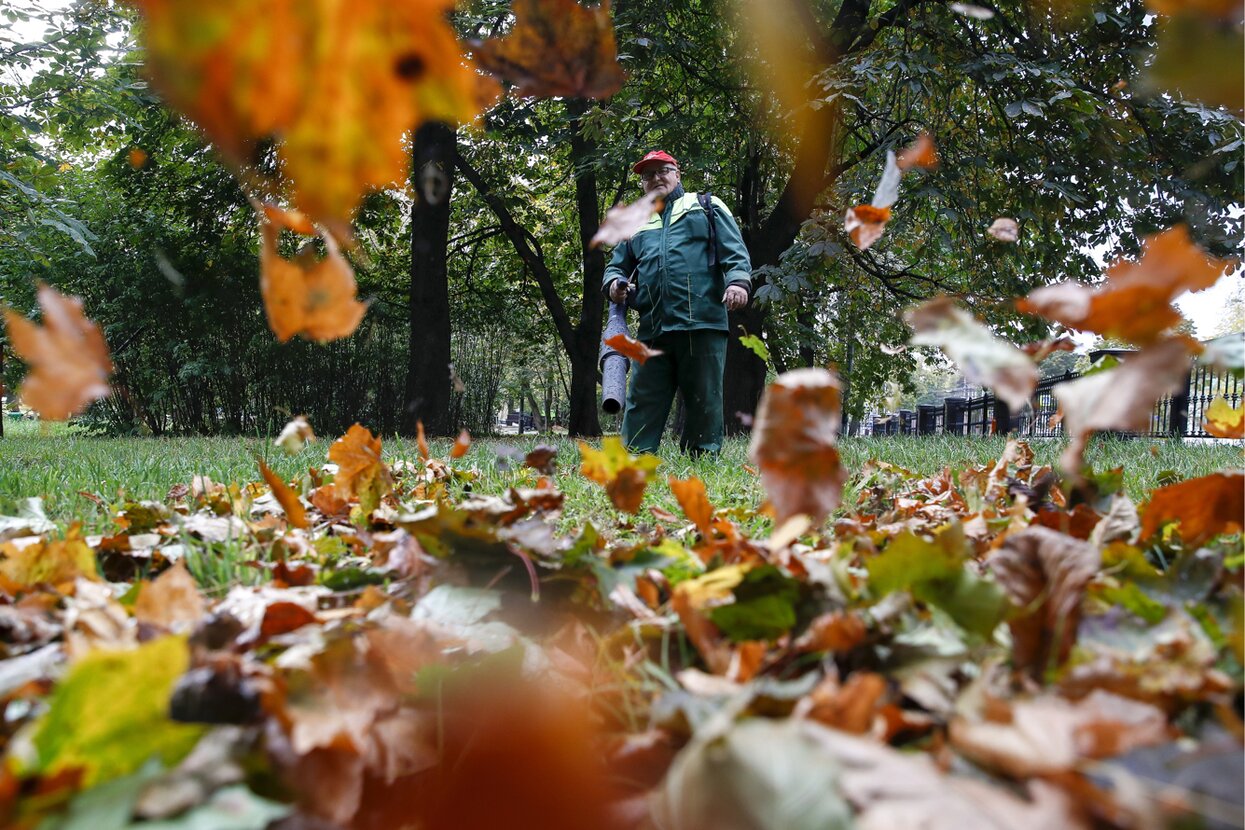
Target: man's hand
(618,291)
(735,298)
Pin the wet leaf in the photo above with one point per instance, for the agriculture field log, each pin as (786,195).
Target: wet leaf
(1204,507)
(622,221)
(982,357)
(557,48)
(1134,303)
(624,475)
(1044,574)
(794,444)
(1222,421)
(108,715)
(67,356)
(295,513)
(628,346)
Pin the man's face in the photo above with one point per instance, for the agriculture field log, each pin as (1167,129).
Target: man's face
(659,178)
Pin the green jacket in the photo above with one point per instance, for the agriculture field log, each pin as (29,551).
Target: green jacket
(676,290)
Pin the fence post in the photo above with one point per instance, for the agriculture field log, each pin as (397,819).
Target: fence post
(952,412)
(925,418)
(1178,410)
(1002,416)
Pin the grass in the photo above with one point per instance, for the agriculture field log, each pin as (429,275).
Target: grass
(72,471)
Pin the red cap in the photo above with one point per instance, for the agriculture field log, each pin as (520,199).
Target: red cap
(655,156)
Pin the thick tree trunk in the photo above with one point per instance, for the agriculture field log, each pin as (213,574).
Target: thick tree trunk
(428,390)
(584,406)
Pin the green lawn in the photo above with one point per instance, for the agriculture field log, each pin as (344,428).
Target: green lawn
(59,464)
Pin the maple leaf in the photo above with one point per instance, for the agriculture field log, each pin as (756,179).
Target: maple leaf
(624,475)
(982,357)
(67,355)
(171,600)
(461,445)
(794,444)
(1044,574)
(628,346)
(622,221)
(295,513)
(557,48)
(307,295)
(1004,229)
(57,563)
(1222,421)
(1134,303)
(360,470)
(1204,507)
(920,153)
(1120,398)
(337,83)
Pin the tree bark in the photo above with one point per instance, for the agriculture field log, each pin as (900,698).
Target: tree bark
(428,391)
(584,408)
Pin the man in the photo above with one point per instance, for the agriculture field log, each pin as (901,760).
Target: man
(682,298)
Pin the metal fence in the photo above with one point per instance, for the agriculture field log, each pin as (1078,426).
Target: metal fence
(1180,415)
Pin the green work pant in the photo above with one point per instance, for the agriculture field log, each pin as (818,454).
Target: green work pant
(693,362)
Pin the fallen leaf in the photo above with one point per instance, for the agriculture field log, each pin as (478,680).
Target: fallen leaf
(557,48)
(67,356)
(1222,421)
(794,444)
(1204,507)
(849,706)
(307,295)
(920,153)
(172,600)
(542,459)
(622,221)
(461,445)
(294,436)
(360,470)
(1044,574)
(692,497)
(982,357)
(1004,229)
(284,617)
(57,563)
(629,347)
(623,475)
(338,84)
(834,632)
(1121,398)
(865,224)
(295,513)
(1134,303)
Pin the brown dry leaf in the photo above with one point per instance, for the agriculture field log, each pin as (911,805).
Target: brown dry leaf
(284,617)
(57,563)
(67,356)
(849,706)
(360,470)
(622,221)
(1121,398)
(982,357)
(623,475)
(542,459)
(557,48)
(1043,349)
(295,513)
(1200,44)
(461,445)
(329,500)
(307,295)
(1004,229)
(172,600)
(920,153)
(1222,421)
(628,346)
(794,444)
(865,224)
(337,83)
(704,635)
(835,631)
(1050,734)
(694,500)
(1134,303)
(1044,574)
(1204,507)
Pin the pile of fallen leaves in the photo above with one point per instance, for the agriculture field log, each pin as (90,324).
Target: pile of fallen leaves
(987,647)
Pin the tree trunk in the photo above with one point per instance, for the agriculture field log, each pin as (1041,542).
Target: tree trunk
(584,407)
(428,390)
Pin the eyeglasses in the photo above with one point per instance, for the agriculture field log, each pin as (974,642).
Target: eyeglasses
(649,175)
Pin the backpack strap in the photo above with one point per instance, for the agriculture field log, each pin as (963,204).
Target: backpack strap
(706,202)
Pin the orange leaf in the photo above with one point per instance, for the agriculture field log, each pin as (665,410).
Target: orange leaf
(461,445)
(866,223)
(338,84)
(1222,421)
(1135,302)
(623,221)
(556,48)
(542,459)
(58,563)
(794,444)
(920,153)
(137,157)
(628,346)
(421,440)
(284,617)
(171,599)
(624,475)
(360,471)
(1204,507)
(295,513)
(307,295)
(695,503)
(68,358)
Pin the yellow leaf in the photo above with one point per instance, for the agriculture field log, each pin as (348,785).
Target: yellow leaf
(623,475)
(55,563)
(1222,421)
